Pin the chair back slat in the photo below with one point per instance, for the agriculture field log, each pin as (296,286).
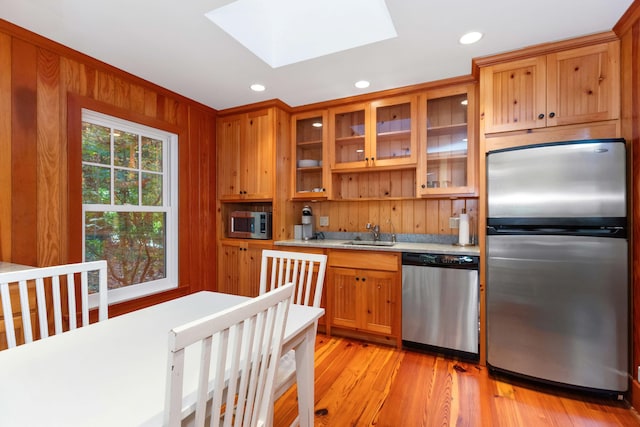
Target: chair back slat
(39,293)
(8,320)
(71,299)
(41,302)
(84,294)
(57,305)
(235,367)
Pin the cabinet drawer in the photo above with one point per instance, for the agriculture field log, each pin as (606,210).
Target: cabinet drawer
(364,260)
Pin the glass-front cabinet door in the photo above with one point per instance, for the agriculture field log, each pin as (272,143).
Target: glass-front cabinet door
(349,138)
(309,133)
(448,150)
(395,132)
(379,134)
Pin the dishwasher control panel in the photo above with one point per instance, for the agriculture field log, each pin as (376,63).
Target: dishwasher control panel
(440,260)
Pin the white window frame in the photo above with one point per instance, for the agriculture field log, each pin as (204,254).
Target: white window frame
(170,207)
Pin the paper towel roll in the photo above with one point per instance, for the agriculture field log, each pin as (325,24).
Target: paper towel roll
(463,229)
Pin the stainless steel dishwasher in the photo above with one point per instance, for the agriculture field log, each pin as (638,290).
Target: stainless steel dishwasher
(440,296)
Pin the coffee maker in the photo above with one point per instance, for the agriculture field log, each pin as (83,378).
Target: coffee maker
(307,223)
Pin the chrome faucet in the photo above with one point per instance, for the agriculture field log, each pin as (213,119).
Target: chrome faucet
(375,231)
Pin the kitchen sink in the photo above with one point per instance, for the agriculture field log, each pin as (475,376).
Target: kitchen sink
(369,243)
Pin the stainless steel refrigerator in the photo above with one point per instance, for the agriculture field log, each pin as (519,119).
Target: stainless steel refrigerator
(557,263)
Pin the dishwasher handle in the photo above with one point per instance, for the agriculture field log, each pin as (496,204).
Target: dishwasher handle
(468,262)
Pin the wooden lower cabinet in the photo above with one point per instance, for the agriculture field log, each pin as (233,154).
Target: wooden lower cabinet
(364,295)
(239,266)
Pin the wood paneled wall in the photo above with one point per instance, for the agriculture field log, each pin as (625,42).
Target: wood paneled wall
(628,29)
(428,216)
(39,82)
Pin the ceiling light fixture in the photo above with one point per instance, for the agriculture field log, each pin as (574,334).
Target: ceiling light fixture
(471,37)
(464,102)
(256,87)
(316,124)
(362,84)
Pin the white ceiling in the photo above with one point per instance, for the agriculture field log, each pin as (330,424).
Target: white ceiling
(171,43)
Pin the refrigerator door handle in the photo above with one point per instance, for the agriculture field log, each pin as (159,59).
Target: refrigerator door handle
(611,232)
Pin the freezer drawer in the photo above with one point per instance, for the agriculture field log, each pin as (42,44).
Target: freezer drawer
(440,307)
(557,308)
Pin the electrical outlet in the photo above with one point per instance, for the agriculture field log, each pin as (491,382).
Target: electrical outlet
(454,222)
(324,221)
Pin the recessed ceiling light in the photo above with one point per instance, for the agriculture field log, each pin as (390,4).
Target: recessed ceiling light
(362,84)
(471,37)
(256,87)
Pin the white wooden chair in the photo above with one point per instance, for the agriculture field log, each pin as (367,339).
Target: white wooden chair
(241,347)
(279,267)
(38,290)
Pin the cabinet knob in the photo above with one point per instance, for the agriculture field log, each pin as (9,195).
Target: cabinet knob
(540,116)
(364,279)
(423,186)
(366,159)
(373,159)
(552,114)
(357,279)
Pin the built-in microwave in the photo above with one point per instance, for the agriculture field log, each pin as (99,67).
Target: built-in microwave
(250,225)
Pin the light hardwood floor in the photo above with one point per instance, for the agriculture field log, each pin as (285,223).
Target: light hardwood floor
(360,384)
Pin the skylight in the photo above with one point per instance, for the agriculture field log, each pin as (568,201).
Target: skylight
(283,32)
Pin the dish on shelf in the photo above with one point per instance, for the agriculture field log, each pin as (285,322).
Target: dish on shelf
(307,163)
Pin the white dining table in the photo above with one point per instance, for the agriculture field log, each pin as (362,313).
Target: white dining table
(113,373)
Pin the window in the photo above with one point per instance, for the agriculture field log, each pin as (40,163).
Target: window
(129,204)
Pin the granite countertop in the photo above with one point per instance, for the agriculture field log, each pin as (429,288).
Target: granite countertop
(438,248)
(9,267)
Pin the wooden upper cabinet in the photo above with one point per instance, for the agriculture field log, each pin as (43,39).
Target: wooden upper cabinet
(584,85)
(230,132)
(448,154)
(309,132)
(574,86)
(513,95)
(379,134)
(394,132)
(246,156)
(349,143)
